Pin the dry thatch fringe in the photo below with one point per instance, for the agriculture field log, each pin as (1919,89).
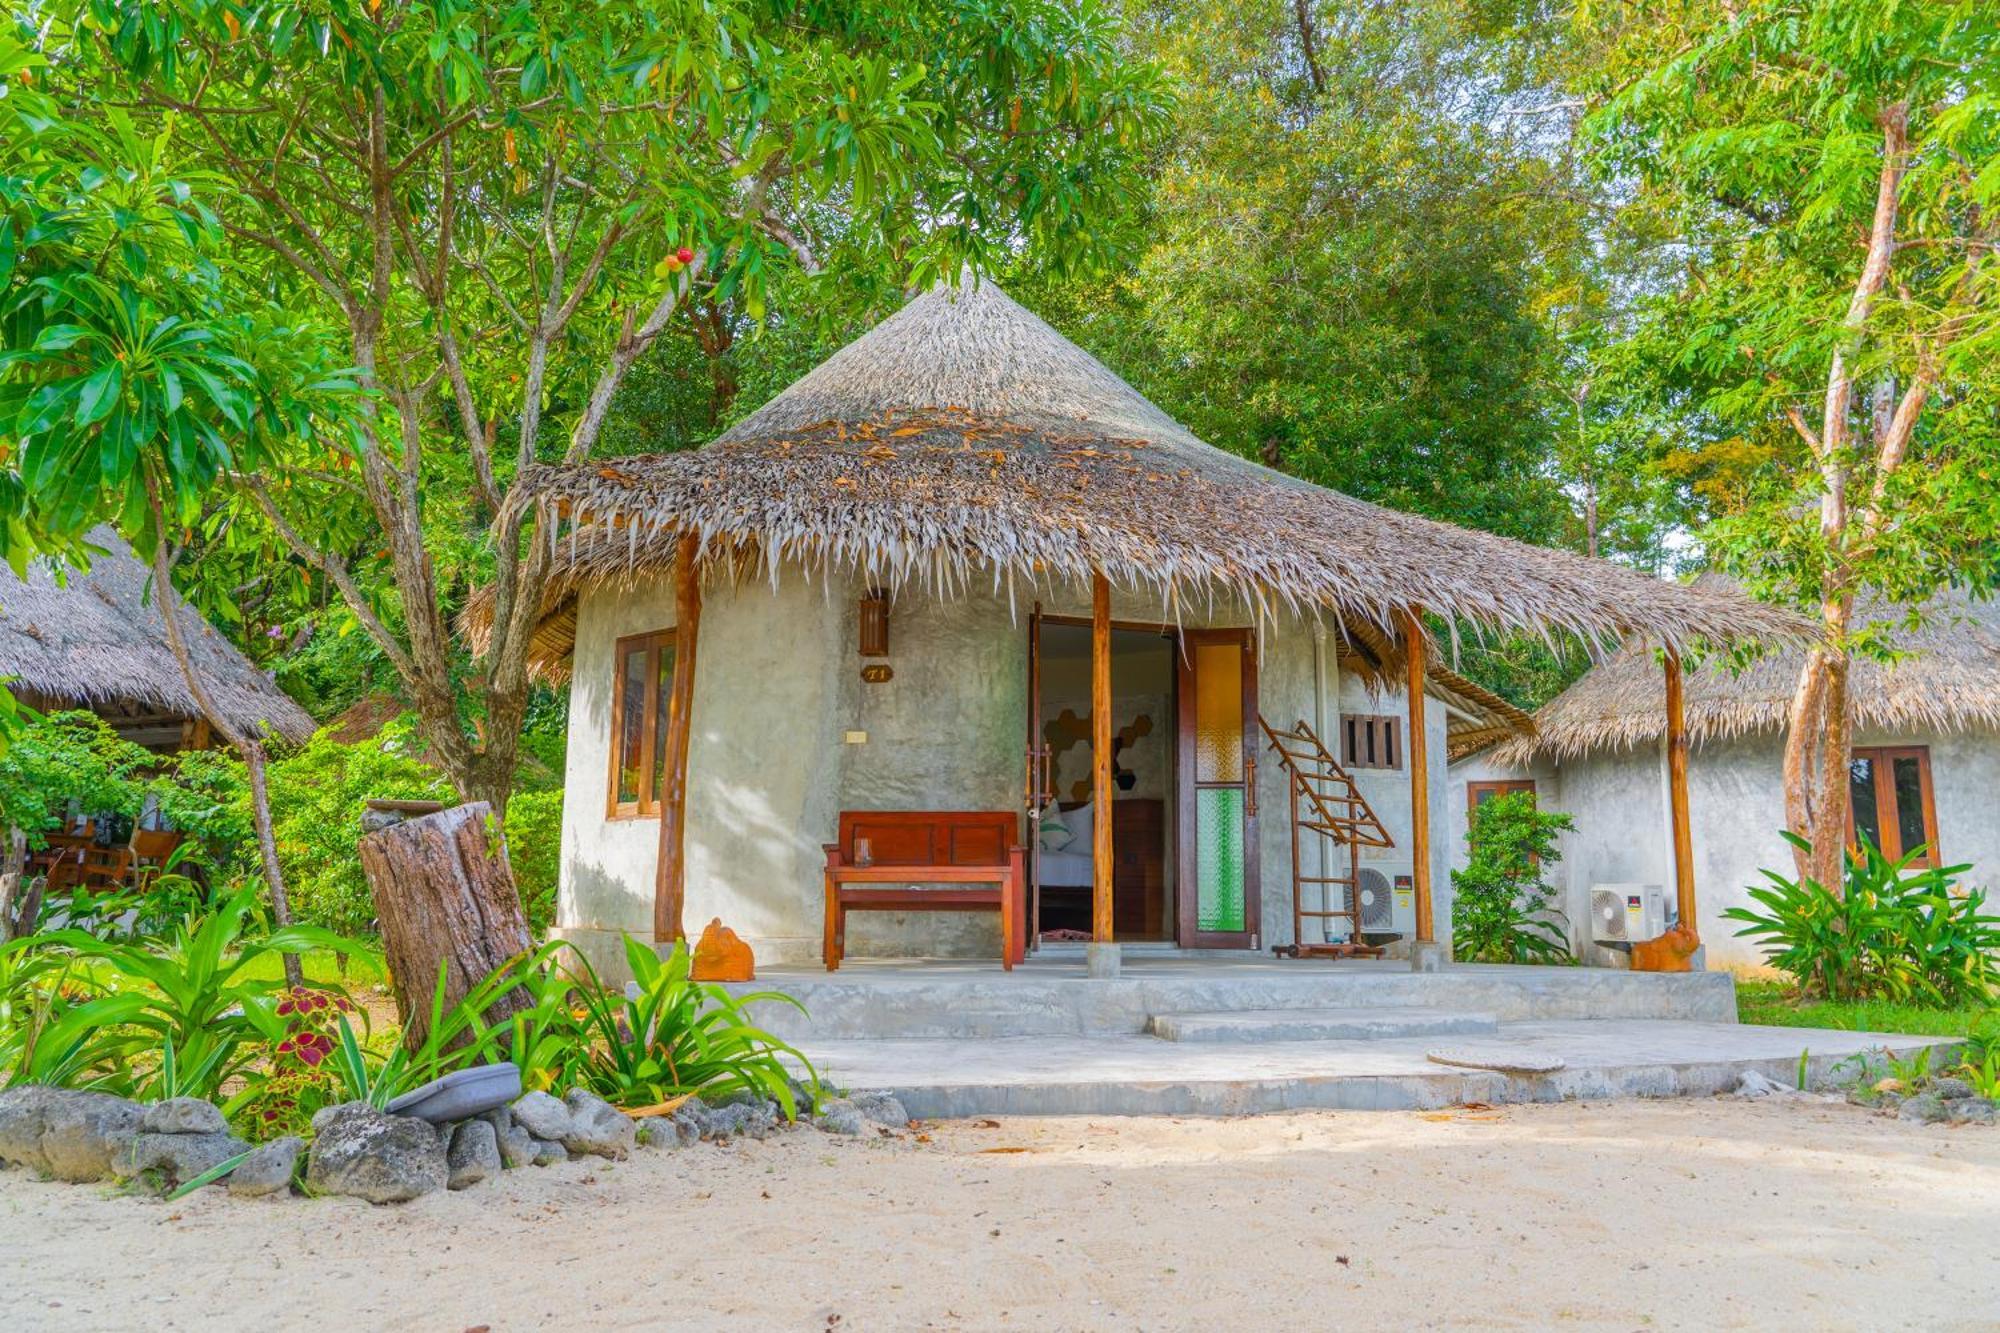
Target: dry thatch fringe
(1948,680)
(964,442)
(96,638)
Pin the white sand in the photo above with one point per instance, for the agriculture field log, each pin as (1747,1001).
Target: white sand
(1624,1214)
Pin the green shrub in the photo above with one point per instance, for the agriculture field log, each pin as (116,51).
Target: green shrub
(534,850)
(1895,931)
(1501,910)
(56,758)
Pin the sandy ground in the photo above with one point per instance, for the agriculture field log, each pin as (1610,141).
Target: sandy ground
(1624,1215)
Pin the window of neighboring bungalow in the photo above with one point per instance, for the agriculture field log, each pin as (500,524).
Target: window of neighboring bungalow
(644,667)
(1479,793)
(1890,803)
(1370,741)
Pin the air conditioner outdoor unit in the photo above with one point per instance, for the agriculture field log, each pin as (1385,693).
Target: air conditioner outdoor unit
(1627,913)
(1388,901)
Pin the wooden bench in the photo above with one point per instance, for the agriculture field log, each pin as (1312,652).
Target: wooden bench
(927,861)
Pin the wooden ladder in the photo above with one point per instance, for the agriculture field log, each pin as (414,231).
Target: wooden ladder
(1325,802)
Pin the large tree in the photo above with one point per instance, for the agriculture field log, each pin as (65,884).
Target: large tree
(502,209)
(1833,171)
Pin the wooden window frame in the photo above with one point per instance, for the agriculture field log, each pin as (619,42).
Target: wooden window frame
(1387,726)
(1497,786)
(648,804)
(1884,758)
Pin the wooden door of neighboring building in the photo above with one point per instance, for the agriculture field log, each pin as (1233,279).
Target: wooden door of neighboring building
(1889,801)
(1479,793)
(1217,758)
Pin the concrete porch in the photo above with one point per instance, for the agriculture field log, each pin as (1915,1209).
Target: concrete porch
(1234,1034)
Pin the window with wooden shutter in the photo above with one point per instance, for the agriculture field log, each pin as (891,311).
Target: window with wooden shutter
(644,667)
(1371,741)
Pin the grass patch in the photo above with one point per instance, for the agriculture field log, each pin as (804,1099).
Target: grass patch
(319,965)
(1775,1004)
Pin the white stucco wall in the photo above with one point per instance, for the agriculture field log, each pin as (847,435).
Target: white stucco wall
(1735,808)
(778,685)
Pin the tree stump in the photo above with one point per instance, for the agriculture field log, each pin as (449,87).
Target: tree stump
(444,894)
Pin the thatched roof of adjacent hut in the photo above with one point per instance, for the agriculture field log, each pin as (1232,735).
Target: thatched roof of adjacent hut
(963,442)
(1946,678)
(94,638)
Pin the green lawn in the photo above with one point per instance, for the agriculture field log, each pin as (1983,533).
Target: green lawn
(320,965)
(1775,1004)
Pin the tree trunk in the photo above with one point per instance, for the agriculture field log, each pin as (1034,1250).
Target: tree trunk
(12,875)
(1817,742)
(445,897)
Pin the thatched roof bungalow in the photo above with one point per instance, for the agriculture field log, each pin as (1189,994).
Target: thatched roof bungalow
(93,639)
(1926,762)
(909,568)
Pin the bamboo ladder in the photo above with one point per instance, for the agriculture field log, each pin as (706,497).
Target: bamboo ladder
(1326,802)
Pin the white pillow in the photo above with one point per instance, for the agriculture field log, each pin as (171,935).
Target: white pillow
(1056,833)
(1080,821)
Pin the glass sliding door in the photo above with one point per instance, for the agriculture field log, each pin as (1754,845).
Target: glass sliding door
(1218,790)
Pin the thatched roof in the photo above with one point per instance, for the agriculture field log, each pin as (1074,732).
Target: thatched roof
(963,442)
(1947,679)
(95,639)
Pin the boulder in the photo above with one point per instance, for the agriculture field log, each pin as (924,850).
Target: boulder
(1925,1108)
(657,1131)
(597,1127)
(474,1154)
(183,1115)
(1951,1089)
(692,1117)
(267,1171)
(516,1145)
(548,1152)
(882,1108)
(840,1116)
(745,1119)
(61,1132)
(163,1161)
(362,1152)
(1972,1111)
(543,1116)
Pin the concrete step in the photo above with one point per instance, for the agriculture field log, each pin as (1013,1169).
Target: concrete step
(1360,1023)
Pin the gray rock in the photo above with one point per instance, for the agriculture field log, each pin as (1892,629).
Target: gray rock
(474,1154)
(840,1116)
(183,1115)
(597,1127)
(882,1108)
(67,1134)
(1973,1111)
(1951,1089)
(517,1145)
(1925,1108)
(657,1131)
(267,1171)
(366,1154)
(692,1117)
(548,1152)
(543,1116)
(163,1161)
(740,1119)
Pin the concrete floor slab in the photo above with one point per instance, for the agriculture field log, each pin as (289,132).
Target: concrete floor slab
(1121,1074)
(1357,1023)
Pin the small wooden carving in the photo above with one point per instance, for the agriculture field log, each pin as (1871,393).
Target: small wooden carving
(1669,953)
(719,955)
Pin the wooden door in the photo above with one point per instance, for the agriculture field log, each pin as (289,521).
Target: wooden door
(1219,889)
(1890,801)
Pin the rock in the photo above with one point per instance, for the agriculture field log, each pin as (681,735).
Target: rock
(183,1115)
(657,1131)
(366,1154)
(63,1133)
(597,1127)
(543,1116)
(1756,1085)
(1924,1108)
(164,1161)
(692,1117)
(474,1154)
(840,1116)
(1951,1089)
(723,1122)
(548,1152)
(517,1145)
(882,1108)
(267,1171)
(1973,1111)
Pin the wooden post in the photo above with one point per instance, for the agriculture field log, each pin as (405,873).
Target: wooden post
(1677,795)
(1417,748)
(670,873)
(444,895)
(1100,760)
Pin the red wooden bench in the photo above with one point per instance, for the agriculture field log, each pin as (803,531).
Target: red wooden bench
(927,861)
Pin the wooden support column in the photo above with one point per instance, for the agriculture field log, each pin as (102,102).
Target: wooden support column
(1100,760)
(670,873)
(1677,795)
(1417,747)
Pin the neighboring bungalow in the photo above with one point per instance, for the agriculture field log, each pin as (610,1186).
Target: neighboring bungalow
(1925,771)
(961,587)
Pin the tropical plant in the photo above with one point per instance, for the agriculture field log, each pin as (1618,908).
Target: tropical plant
(1894,930)
(1501,910)
(534,852)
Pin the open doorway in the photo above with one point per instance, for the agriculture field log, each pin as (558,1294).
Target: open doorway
(1144,776)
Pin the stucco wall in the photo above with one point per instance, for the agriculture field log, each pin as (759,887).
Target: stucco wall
(1735,809)
(777,689)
